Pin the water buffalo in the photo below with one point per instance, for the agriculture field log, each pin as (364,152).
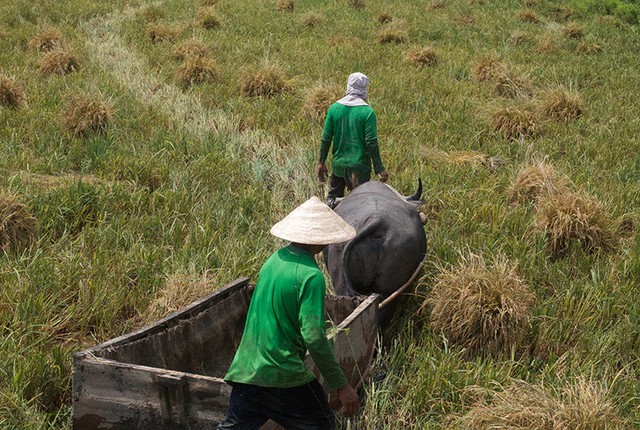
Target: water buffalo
(390,243)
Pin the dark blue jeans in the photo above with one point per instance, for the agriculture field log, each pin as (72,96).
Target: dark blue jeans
(298,408)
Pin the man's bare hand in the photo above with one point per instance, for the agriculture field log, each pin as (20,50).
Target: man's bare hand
(322,171)
(384,176)
(347,398)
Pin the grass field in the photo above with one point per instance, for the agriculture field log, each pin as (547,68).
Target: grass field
(140,170)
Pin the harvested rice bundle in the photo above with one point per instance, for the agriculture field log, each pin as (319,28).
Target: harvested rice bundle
(151,13)
(588,48)
(208,19)
(529,16)
(519,37)
(570,218)
(319,98)
(579,404)
(536,181)
(267,81)
(357,4)
(394,32)
(178,291)
(486,68)
(484,309)
(47,39)
(514,122)
(196,70)
(17,225)
(562,105)
(285,6)
(12,95)
(190,48)
(422,57)
(158,33)
(573,30)
(547,44)
(436,5)
(83,114)
(311,19)
(385,18)
(511,83)
(60,62)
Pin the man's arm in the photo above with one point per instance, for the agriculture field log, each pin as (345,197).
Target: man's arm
(371,145)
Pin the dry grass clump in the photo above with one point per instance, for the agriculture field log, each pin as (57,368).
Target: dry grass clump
(190,48)
(47,39)
(486,68)
(528,15)
(482,308)
(284,6)
(179,290)
(385,17)
(209,2)
(536,181)
(266,82)
(17,225)
(436,4)
(207,18)
(195,70)
(311,19)
(83,114)
(588,48)
(580,404)
(12,95)
(60,62)
(319,98)
(569,218)
(514,122)
(394,32)
(511,83)
(422,57)
(158,33)
(573,30)
(562,105)
(519,37)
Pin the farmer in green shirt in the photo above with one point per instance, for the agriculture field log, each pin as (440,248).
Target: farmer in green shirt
(351,125)
(286,319)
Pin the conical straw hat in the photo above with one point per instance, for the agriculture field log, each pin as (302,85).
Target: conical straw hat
(313,223)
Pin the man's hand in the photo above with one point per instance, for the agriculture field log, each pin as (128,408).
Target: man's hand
(322,171)
(347,398)
(384,176)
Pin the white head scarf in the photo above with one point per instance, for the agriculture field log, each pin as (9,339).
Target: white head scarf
(357,90)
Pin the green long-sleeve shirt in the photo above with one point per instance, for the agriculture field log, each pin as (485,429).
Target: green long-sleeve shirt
(286,318)
(354,132)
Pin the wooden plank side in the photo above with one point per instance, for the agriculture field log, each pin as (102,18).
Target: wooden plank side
(354,341)
(116,396)
(169,320)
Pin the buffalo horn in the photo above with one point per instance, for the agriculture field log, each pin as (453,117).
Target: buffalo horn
(418,193)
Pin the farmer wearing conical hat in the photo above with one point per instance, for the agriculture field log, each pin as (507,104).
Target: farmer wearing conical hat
(352,126)
(285,319)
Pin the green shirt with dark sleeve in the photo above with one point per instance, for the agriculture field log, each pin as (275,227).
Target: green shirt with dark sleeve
(354,132)
(286,318)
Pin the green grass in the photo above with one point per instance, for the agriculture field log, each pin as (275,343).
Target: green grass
(185,181)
